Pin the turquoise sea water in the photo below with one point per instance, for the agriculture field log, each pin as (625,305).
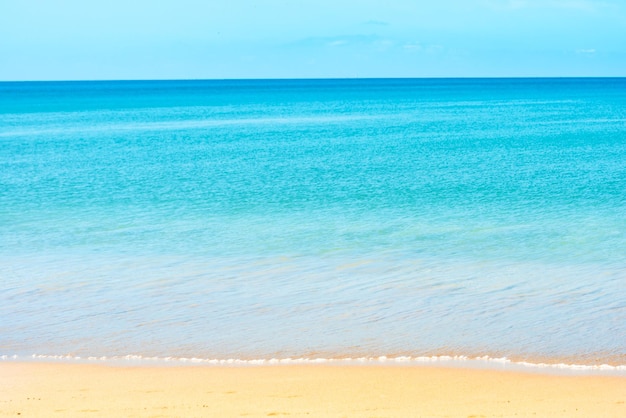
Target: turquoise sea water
(314,218)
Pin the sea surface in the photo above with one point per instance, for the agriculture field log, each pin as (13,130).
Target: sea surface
(260,219)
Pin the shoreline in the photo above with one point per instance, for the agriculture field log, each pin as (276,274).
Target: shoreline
(544,366)
(322,390)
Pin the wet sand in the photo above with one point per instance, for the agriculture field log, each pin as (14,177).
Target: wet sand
(86,390)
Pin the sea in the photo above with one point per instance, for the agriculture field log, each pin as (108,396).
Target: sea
(354,220)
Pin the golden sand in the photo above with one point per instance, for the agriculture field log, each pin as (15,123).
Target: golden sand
(83,390)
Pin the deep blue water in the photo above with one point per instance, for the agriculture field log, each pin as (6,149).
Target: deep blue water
(314,217)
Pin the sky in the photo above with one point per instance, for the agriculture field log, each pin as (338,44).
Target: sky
(211,39)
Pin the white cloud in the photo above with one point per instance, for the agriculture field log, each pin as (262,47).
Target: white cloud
(337,42)
(384,44)
(412,46)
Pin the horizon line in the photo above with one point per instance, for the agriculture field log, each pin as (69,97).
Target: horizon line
(313,79)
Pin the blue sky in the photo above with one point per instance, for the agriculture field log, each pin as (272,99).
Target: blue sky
(166,39)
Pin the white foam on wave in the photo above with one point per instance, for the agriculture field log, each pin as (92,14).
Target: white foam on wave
(460,361)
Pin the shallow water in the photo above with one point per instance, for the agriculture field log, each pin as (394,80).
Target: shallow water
(320,218)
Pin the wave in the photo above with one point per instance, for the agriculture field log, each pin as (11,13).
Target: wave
(443,360)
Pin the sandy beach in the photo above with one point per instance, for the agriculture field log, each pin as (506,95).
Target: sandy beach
(79,390)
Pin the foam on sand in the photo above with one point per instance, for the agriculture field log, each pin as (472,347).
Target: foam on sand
(443,360)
